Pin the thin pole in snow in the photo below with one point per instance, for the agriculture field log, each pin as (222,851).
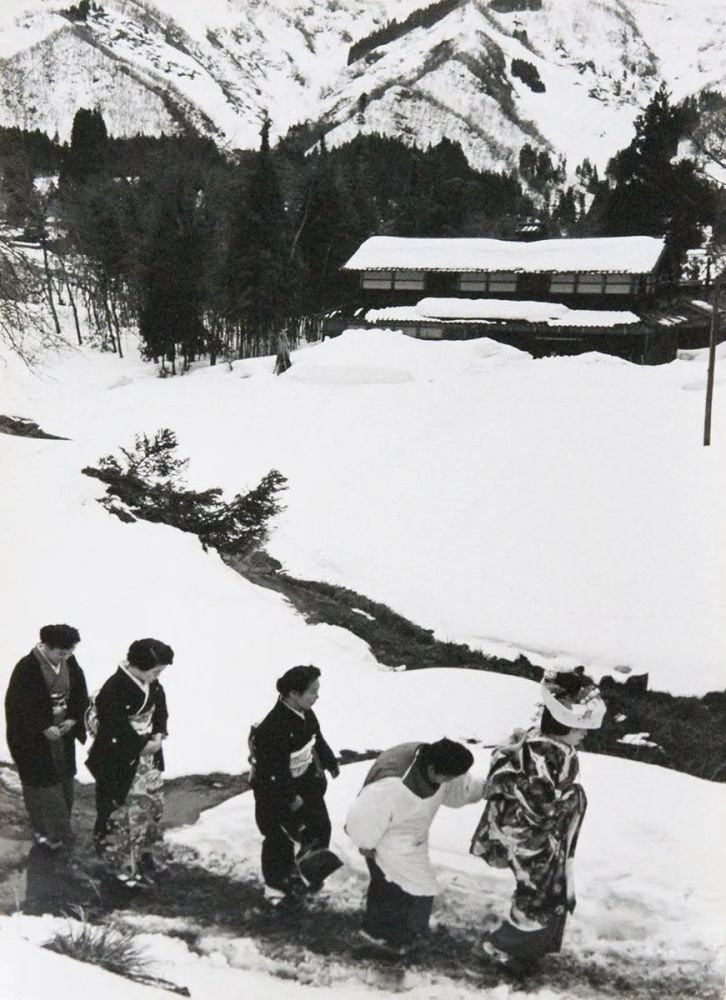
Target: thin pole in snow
(717,289)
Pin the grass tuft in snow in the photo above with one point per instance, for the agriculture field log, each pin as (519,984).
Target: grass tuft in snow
(112,948)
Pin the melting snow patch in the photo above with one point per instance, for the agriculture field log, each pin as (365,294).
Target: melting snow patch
(637,740)
(365,614)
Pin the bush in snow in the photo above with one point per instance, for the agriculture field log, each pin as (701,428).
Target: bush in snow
(147,482)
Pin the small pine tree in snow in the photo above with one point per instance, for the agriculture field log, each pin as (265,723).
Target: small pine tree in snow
(146,482)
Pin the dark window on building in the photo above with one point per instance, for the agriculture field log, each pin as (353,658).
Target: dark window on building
(442,282)
(590,284)
(473,282)
(563,284)
(533,286)
(377,279)
(618,284)
(409,281)
(502,282)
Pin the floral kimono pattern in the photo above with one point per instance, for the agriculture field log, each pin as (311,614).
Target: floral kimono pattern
(133,843)
(530,824)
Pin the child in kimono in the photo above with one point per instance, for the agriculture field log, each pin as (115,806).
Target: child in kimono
(129,721)
(535,807)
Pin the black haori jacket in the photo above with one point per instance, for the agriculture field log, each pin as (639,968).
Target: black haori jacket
(29,712)
(280,743)
(116,748)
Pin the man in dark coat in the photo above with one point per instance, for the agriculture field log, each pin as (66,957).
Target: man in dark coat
(45,707)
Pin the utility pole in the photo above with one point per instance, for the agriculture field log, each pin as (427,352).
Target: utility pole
(718,286)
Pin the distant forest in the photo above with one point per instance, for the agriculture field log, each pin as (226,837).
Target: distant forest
(215,254)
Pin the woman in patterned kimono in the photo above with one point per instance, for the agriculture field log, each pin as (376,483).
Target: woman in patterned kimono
(533,815)
(129,721)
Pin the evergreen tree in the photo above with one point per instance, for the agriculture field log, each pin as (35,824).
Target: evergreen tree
(649,193)
(172,287)
(324,233)
(264,248)
(88,151)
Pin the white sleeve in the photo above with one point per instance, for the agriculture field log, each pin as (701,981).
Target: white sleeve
(369,816)
(463,790)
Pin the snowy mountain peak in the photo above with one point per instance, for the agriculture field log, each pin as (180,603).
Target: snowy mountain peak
(565,76)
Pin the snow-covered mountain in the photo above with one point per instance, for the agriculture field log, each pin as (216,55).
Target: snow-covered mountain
(221,64)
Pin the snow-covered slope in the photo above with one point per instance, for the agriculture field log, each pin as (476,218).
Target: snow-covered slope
(222,64)
(564,508)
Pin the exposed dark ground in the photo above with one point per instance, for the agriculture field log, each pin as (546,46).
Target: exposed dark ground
(185,799)
(690,732)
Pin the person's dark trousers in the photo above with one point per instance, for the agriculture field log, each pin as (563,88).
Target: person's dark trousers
(393,914)
(310,825)
(286,833)
(49,810)
(105,805)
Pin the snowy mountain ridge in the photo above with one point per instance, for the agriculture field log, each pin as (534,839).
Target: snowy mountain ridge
(222,65)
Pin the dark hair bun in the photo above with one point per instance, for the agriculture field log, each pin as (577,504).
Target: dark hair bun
(297,679)
(59,636)
(573,681)
(142,655)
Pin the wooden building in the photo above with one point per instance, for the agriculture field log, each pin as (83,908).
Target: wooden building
(557,296)
(592,273)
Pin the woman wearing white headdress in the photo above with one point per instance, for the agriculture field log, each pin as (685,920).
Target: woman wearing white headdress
(533,815)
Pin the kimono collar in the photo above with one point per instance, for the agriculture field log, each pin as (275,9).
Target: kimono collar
(40,655)
(299,712)
(142,684)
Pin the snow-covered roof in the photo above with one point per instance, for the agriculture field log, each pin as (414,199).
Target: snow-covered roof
(617,254)
(500,310)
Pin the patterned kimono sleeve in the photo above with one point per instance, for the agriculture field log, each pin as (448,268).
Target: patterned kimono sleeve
(524,798)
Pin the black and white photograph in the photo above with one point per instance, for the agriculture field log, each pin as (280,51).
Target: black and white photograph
(363,449)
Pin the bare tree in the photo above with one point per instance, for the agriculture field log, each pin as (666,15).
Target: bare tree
(24,318)
(708,135)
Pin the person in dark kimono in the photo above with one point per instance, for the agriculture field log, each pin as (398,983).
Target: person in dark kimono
(45,705)
(535,807)
(290,757)
(128,719)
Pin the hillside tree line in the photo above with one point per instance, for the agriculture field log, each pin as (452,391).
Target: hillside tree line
(218,255)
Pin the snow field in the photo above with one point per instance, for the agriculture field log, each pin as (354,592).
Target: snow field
(462,482)
(564,508)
